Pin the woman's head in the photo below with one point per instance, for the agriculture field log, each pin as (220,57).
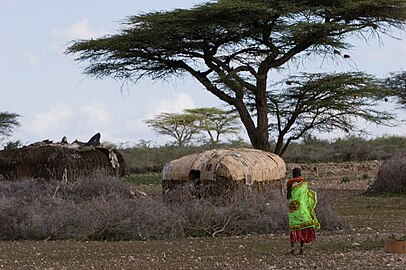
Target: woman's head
(296,172)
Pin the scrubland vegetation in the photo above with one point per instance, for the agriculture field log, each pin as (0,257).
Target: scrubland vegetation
(105,208)
(143,157)
(245,230)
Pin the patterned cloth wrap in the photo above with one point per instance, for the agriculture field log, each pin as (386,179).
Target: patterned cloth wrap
(301,208)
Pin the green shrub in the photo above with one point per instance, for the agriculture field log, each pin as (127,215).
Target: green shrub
(151,178)
(142,158)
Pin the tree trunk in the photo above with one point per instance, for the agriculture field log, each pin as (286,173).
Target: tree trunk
(262,133)
(279,146)
(259,134)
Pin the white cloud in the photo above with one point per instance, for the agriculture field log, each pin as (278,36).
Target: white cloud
(78,30)
(95,114)
(51,122)
(75,123)
(31,58)
(176,104)
(135,126)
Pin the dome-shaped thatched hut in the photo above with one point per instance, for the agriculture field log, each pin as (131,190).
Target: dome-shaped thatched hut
(60,161)
(219,170)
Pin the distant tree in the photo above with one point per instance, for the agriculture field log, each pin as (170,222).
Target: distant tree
(216,122)
(179,126)
(397,81)
(231,46)
(13,144)
(8,122)
(324,102)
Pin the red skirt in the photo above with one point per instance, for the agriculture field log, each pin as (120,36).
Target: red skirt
(305,235)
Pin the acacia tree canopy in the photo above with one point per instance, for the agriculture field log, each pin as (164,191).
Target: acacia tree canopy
(179,126)
(184,126)
(325,103)
(231,46)
(216,122)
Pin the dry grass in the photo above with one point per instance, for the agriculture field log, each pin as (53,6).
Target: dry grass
(101,208)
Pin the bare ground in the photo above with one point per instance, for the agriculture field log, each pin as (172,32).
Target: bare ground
(353,251)
(372,219)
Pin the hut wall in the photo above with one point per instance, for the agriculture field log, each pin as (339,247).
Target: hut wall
(219,167)
(57,163)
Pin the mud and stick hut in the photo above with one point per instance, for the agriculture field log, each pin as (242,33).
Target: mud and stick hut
(61,161)
(221,170)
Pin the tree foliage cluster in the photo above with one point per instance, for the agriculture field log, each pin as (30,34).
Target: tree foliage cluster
(183,127)
(233,47)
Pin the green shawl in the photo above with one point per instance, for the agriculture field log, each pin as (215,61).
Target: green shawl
(301,208)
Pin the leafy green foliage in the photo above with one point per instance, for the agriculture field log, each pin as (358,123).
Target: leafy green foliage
(185,126)
(182,127)
(13,144)
(216,122)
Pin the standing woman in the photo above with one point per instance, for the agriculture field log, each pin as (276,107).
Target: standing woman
(302,218)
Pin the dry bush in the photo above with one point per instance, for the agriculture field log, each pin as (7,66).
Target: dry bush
(101,208)
(325,214)
(391,176)
(245,211)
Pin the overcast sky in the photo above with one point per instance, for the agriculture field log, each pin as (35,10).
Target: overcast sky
(55,99)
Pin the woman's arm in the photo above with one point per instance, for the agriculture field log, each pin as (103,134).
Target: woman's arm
(289,193)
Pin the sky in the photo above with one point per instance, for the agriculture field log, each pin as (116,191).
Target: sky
(55,99)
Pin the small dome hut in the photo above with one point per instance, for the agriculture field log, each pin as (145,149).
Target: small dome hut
(60,161)
(218,170)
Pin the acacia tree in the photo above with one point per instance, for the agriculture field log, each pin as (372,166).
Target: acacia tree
(231,46)
(324,103)
(179,126)
(8,122)
(215,122)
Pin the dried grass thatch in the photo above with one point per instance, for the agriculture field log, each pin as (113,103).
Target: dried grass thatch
(57,162)
(222,169)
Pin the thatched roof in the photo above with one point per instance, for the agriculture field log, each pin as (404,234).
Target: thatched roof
(248,165)
(56,161)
